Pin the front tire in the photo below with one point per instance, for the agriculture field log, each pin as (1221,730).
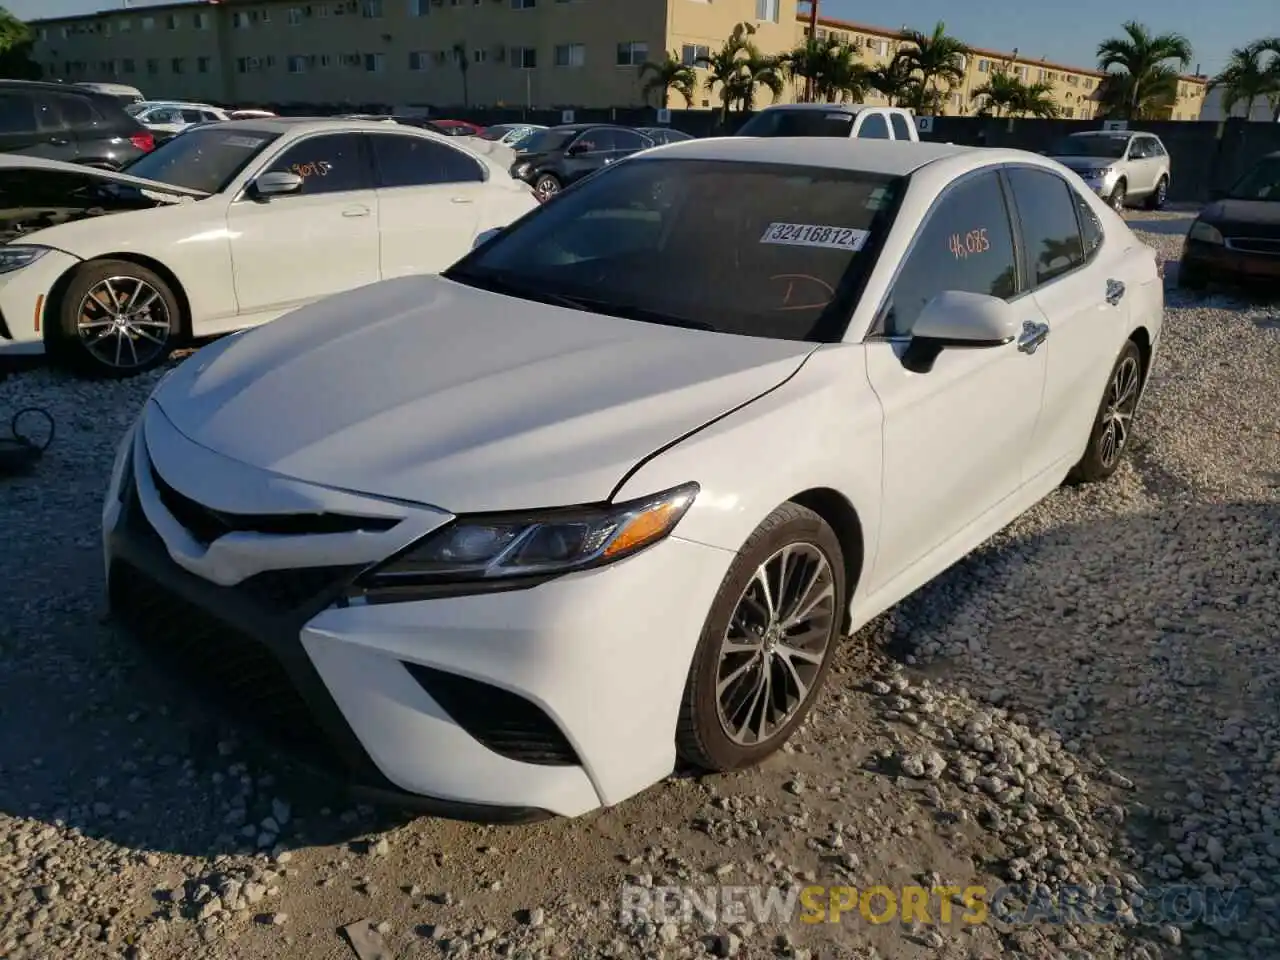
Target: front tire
(1113,425)
(1119,196)
(767,643)
(116,319)
(546,186)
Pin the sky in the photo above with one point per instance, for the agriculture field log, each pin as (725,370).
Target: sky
(1066,33)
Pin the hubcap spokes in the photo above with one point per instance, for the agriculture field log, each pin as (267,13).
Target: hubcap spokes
(1122,400)
(775,644)
(123,322)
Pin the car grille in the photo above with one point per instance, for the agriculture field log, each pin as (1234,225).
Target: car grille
(506,723)
(226,666)
(1255,245)
(207,525)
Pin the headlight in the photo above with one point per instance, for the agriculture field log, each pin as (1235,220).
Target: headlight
(522,170)
(15,256)
(1204,232)
(499,548)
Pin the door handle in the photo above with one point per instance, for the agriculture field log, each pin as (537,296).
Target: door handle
(58,141)
(1033,334)
(1115,291)
(461,200)
(356,212)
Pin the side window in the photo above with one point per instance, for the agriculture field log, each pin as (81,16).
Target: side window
(1157,149)
(597,141)
(1090,226)
(901,129)
(77,112)
(966,244)
(17,114)
(407,161)
(626,140)
(331,163)
(874,128)
(1050,230)
(1138,149)
(192,116)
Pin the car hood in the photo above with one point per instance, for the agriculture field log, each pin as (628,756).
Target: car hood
(1085,163)
(1247,218)
(9,162)
(429,391)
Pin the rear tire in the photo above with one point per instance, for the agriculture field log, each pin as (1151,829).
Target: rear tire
(767,643)
(116,319)
(1112,428)
(1157,200)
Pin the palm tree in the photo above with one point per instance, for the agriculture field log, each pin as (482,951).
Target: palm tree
(934,58)
(892,80)
(1271,47)
(666,75)
(759,70)
(1000,95)
(460,58)
(737,68)
(830,67)
(724,68)
(1245,78)
(1143,69)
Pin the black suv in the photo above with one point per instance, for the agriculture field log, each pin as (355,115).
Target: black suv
(556,157)
(73,124)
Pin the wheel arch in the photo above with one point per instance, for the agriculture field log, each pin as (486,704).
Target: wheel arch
(53,302)
(841,515)
(1141,338)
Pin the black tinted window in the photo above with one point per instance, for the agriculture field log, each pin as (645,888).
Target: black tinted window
(626,140)
(417,161)
(873,128)
(966,244)
(595,141)
(901,129)
(327,164)
(545,141)
(17,113)
(754,249)
(78,112)
(798,123)
(1090,225)
(1050,230)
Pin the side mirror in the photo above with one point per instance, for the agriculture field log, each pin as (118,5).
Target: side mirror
(484,236)
(576,150)
(955,319)
(276,184)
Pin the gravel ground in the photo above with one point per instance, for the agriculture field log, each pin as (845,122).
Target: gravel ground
(1090,699)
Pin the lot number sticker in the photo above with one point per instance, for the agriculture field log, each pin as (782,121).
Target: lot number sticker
(815,235)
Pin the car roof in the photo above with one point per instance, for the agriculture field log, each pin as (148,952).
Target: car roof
(889,157)
(175,103)
(1114,134)
(830,107)
(57,87)
(304,124)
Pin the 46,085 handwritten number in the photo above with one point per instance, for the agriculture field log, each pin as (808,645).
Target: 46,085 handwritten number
(319,168)
(969,244)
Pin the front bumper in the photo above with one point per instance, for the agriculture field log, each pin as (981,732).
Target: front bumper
(1218,262)
(24,302)
(504,707)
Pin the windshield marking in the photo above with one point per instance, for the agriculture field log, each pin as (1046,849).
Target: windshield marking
(815,235)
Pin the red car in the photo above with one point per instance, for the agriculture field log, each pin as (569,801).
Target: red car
(459,128)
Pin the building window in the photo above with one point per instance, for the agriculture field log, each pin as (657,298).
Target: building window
(692,54)
(148,23)
(767,10)
(128,66)
(239,20)
(523,4)
(375,62)
(294,16)
(524,58)
(125,26)
(153,68)
(177,65)
(296,64)
(632,53)
(571,55)
(371,9)
(171,22)
(202,64)
(419,8)
(418,59)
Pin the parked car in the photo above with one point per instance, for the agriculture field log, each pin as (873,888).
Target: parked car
(69,123)
(661,135)
(119,91)
(611,489)
(1121,166)
(229,226)
(558,156)
(165,118)
(1237,236)
(458,128)
(510,133)
(832,120)
(250,114)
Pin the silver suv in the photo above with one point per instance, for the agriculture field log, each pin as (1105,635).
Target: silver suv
(1122,166)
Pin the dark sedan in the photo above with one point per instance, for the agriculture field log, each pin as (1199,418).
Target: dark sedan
(661,135)
(554,158)
(1237,237)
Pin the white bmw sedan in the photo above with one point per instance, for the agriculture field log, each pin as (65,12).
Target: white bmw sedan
(609,491)
(229,226)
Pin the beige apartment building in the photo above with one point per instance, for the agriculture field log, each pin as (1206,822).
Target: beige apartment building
(513,53)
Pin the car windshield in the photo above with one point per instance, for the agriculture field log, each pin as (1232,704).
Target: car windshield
(798,123)
(1260,183)
(522,140)
(545,141)
(205,159)
(763,250)
(497,132)
(1104,148)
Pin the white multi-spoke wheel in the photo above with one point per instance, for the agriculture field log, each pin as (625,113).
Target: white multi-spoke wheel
(1113,426)
(767,643)
(116,319)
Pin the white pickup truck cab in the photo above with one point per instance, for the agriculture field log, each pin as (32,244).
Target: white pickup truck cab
(855,120)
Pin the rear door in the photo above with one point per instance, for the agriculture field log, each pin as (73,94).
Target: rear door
(429,202)
(30,124)
(627,142)
(1071,270)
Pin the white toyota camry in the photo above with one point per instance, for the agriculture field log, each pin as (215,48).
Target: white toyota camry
(608,491)
(229,226)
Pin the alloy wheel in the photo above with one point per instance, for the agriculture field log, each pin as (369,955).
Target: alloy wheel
(1117,198)
(124,322)
(547,187)
(1162,192)
(1122,400)
(776,642)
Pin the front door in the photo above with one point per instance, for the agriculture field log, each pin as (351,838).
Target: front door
(429,196)
(31,125)
(956,437)
(292,249)
(591,151)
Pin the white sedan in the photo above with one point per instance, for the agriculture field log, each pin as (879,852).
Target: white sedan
(229,226)
(609,491)
(168,118)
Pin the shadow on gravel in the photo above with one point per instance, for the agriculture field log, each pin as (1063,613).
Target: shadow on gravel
(1162,226)
(1148,642)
